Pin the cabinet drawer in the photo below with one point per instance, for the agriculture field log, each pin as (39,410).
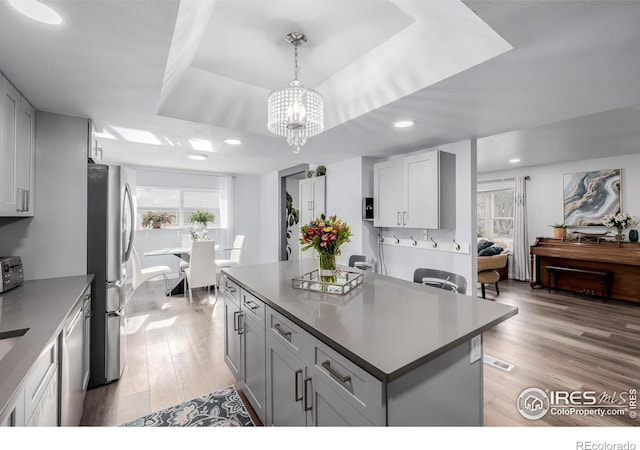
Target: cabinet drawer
(290,335)
(231,290)
(359,388)
(39,377)
(252,306)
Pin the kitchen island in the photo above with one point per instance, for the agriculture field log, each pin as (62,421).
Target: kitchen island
(389,352)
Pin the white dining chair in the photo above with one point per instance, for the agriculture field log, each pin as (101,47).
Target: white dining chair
(235,254)
(202,267)
(141,275)
(185,243)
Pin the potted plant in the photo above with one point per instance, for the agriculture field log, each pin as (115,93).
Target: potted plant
(320,171)
(155,219)
(559,230)
(293,217)
(202,217)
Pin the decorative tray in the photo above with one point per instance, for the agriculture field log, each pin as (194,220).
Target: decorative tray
(345,281)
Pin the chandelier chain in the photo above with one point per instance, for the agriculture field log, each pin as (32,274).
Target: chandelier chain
(295,49)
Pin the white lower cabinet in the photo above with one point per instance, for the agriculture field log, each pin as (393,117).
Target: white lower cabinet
(244,344)
(252,351)
(37,401)
(15,414)
(297,394)
(231,335)
(285,384)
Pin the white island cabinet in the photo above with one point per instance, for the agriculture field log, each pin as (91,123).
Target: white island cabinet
(245,343)
(388,353)
(415,191)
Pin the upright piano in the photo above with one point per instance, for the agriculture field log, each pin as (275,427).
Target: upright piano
(621,259)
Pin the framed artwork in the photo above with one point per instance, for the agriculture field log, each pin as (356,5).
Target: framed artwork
(589,196)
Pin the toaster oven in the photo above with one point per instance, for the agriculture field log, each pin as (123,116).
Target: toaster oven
(12,276)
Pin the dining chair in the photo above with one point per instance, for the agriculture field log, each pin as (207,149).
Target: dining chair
(185,243)
(441,279)
(363,263)
(202,268)
(141,275)
(235,254)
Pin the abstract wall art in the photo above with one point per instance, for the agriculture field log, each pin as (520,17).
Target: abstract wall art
(589,196)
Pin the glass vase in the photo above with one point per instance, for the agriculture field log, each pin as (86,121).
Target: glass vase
(327,267)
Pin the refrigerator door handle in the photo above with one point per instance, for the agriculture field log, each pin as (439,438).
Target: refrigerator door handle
(129,197)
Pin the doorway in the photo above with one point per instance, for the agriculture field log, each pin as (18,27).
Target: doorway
(288,234)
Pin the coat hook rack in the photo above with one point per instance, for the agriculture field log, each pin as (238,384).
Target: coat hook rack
(396,238)
(414,241)
(435,244)
(457,246)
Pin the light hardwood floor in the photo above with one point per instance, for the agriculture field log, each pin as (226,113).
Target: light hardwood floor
(558,341)
(174,353)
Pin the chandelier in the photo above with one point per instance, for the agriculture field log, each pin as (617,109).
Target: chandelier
(295,112)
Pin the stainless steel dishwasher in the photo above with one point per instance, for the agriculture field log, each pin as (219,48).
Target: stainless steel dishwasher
(72,392)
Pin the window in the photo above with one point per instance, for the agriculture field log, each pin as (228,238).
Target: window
(495,216)
(179,203)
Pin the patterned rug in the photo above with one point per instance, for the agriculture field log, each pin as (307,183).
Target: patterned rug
(222,408)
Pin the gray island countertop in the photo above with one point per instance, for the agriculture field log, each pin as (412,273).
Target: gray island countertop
(386,325)
(41,306)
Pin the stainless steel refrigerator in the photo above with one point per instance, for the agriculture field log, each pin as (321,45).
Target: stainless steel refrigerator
(109,240)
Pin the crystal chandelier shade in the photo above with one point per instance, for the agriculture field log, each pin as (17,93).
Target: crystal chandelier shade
(295,112)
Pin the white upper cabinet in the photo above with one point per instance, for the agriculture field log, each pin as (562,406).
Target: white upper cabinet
(17,152)
(387,194)
(416,191)
(9,112)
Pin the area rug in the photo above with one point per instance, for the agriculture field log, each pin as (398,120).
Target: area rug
(222,408)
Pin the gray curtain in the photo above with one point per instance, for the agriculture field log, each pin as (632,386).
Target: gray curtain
(520,235)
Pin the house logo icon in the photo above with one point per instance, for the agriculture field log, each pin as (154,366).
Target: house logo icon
(533,403)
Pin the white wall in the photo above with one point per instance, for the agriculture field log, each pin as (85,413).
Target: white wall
(544,189)
(54,242)
(268,220)
(344,199)
(247,202)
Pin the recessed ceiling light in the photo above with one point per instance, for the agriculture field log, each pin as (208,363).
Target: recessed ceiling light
(514,160)
(198,157)
(37,11)
(233,141)
(404,123)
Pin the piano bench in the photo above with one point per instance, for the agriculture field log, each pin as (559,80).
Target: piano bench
(603,276)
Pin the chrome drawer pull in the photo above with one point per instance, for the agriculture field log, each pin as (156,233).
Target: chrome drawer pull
(307,407)
(284,334)
(336,375)
(252,305)
(298,396)
(231,289)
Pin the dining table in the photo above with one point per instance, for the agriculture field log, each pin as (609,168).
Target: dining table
(176,287)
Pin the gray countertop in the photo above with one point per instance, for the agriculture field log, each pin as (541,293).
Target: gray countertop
(41,306)
(386,325)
